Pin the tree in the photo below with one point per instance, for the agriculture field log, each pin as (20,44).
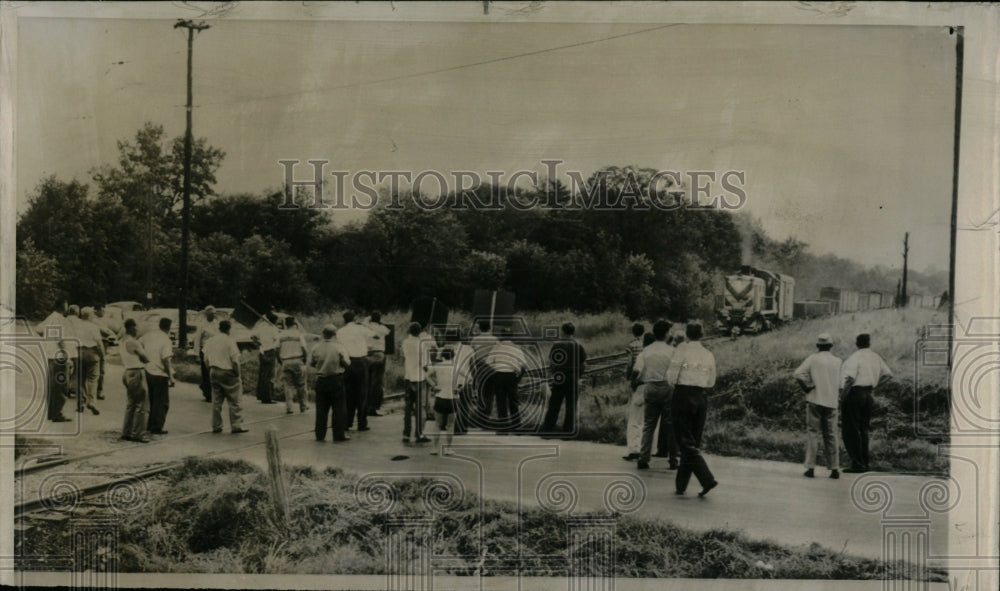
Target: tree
(38,281)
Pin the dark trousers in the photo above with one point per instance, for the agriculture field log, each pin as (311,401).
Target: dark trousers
(414,409)
(330,397)
(159,401)
(505,388)
(206,380)
(136,404)
(856,416)
(659,408)
(356,385)
(100,375)
(485,385)
(58,383)
(265,377)
(464,409)
(562,392)
(690,407)
(376,373)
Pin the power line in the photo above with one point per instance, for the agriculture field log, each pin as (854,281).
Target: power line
(447,69)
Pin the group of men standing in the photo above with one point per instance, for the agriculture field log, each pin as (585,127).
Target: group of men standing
(672,386)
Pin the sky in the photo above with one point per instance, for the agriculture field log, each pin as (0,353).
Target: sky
(844,133)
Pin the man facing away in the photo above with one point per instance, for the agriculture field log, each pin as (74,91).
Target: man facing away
(415,360)
(330,359)
(91,351)
(819,377)
(692,373)
(134,359)
(61,356)
(159,374)
(507,365)
(354,337)
(292,354)
(635,415)
(482,342)
(651,371)
(223,358)
(376,363)
(567,357)
(265,332)
(863,371)
(208,328)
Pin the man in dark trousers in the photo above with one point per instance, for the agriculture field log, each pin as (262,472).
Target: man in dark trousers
(692,373)
(330,359)
(159,374)
(863,371)
(650,369)
(566,358)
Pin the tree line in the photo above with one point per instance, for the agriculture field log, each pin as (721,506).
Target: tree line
(119,237)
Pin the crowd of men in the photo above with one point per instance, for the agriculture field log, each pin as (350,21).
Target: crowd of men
(456,382)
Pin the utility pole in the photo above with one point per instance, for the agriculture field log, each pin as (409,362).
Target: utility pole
(906,251)
(191,27)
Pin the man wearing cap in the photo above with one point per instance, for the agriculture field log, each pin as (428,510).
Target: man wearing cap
(208,328)
(354,337)
(330,359)
(819,378)
(863,371)
(223,358)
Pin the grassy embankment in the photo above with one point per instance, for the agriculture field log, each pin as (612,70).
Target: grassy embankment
(757,411)
(215,516)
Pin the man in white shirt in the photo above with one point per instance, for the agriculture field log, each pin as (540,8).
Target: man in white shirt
(415,360)
(134,360)
(482,342)
(265,333)
(863,371)
(91,351)
(650,368)
(292,355)
(465,400)
(819,377)
(223,358)
(208,328)
(376,363)
(692,373)
(354,337)
(159,374)
(507,364)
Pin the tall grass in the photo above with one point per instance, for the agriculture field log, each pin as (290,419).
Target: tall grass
(214,516)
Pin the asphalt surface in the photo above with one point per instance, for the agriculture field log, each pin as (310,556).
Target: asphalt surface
(763,499)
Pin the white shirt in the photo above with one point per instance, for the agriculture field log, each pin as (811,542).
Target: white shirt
(376,341)
(653,362)
(206,330)
(267,334)
(506,357)
(866,367)
(66,342)
(291,345)
(129,352)
(355,337)
(692,365)
(443,375)
(821,371)
(482,344)
(462,359)
(158,348)
(415,354)
(87,332)
(221,352)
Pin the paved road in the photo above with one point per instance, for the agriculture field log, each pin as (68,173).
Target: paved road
(766,500)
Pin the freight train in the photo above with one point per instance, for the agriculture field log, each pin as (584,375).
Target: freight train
(755,300)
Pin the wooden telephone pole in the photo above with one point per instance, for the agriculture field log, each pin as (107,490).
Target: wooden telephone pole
(903,299)
(191,26)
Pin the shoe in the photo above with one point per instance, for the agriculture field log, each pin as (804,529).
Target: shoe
(289,411)
(216,430)
(61,419)
(241,430)
(835,474)
(375,414)
(100,396)
(323,439)
(631,457)
(678,492)
(406,440)
(93,409)
(809,473)
(659,455)
(705,490)
(125,438)
(341,439)
(643,465)
(423,439)
(364,428)
(854,470)
(142,440)
(159,432)
(674,465)
(303,408)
